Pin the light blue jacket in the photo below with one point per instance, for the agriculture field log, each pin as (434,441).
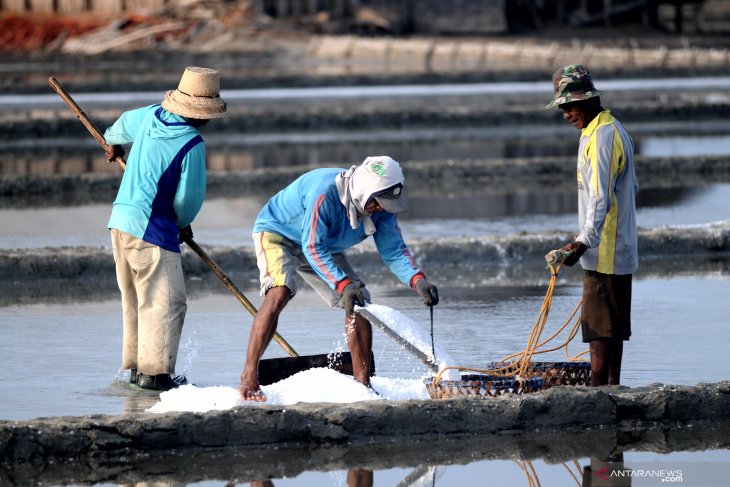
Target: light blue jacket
(309,212)
(163,186)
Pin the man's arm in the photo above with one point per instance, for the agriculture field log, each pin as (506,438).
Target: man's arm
(191,187)
(605,155)
(400,261)
(394,251)
(124,130)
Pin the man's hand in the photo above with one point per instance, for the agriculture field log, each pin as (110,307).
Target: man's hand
(351,296)
(428,292)
(576,250)
(114,151)
(185,234)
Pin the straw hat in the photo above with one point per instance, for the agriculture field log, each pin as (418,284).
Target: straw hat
(197,96)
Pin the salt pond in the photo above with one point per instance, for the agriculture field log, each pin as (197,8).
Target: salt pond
(64,359)
(228,221)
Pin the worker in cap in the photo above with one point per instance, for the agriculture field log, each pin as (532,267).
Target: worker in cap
(606,244)
(161,192)
(305,229)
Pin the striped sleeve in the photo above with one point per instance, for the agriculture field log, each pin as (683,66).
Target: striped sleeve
(317,218)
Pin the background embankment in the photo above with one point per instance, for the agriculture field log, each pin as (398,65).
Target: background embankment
(73,273)
(425,178)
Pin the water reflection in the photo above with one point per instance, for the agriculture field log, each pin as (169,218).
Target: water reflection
(241,152)
(356,477)
(606,472)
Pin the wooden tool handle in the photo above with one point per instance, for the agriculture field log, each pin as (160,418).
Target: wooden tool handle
(93,130)
(236,292)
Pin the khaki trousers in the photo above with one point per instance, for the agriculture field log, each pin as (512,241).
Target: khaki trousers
(151,281)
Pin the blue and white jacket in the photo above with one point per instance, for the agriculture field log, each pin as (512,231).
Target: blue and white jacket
(309,212)
(163,186)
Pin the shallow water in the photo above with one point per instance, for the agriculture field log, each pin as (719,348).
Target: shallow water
(229,221)
(390,91)
(64,359)
(244,151)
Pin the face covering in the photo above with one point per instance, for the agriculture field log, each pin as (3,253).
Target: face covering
(357,185)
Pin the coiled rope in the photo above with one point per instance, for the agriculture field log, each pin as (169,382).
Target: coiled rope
(518,363)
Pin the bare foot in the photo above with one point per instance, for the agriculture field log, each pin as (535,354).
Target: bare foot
(250,391)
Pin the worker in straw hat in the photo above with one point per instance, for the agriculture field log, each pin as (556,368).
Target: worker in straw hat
(606,245)
(305,229)
(161,192)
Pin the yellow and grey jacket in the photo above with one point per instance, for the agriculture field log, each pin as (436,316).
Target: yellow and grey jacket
(607,189)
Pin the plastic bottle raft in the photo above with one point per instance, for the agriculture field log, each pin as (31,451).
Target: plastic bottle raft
(539,376)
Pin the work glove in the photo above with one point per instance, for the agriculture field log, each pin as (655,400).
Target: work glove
(576,250)
(351,296)
(185,234)
(428,292)
(114,151)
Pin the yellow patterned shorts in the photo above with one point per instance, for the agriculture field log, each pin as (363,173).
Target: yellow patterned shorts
(280,260)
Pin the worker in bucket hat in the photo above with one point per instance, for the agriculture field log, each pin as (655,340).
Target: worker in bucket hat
(305,229)
(606,245)
(161,192)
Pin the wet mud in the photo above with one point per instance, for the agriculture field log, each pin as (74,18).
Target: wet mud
(250,443)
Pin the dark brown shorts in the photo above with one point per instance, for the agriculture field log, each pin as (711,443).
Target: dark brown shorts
(606,311)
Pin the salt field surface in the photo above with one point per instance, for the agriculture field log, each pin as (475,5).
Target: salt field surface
(62,357)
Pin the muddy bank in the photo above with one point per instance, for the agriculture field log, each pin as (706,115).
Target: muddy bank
(289,58)
(425,179)
(558,424)
(72,273)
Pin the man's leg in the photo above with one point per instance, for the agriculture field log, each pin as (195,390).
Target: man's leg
(161,297)
(357,477)
(359,335)
(125,281)
(606,356)
(262,331)
(614,361)
(599,362)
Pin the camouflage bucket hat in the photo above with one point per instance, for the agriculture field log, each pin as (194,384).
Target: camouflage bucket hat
(572,83)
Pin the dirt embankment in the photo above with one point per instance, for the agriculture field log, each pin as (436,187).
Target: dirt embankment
(249,443)
(425,178)
(53,274)
(144,50)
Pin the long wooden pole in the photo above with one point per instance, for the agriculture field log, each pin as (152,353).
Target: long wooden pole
(93,130)
(96,133)
(235,291)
